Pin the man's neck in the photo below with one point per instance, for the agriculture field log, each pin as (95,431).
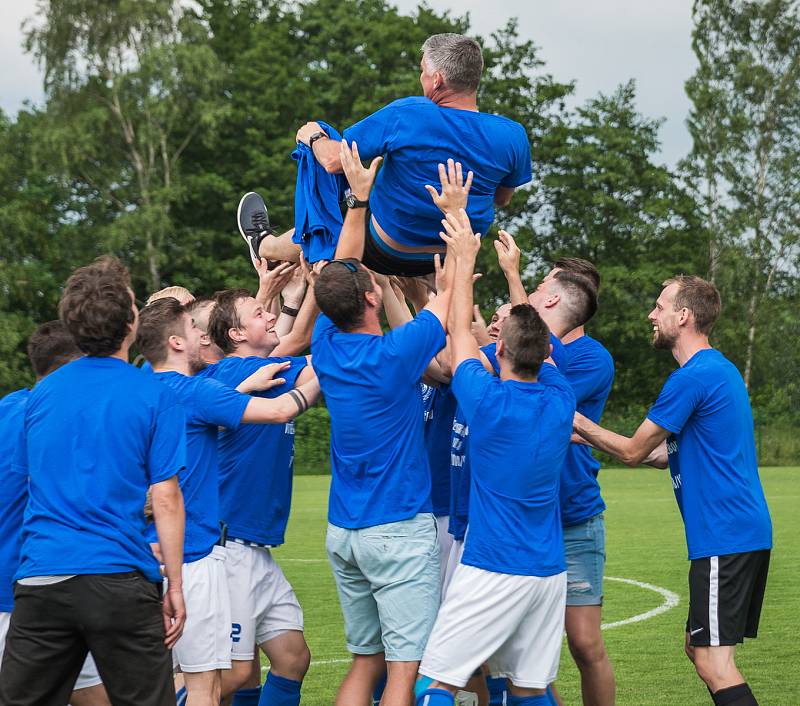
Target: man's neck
(174,364)
(245,350)
(687,345)
(122,353)
(447,98)
(573,335)
(370,325)
(554,323)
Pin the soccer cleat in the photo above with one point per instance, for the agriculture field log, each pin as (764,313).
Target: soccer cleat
(253,221)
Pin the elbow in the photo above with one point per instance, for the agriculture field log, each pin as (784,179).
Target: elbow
(167,500)
(331,165)
(632,458)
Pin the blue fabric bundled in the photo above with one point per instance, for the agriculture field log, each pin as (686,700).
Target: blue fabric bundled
(317,195)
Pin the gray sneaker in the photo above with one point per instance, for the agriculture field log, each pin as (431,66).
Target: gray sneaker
(253,221)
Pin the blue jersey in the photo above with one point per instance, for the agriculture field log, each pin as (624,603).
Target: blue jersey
(207,404)
(13,492)
(712,457)
(414,135)
(459,458)
(519,435)
(590,374)
(98,433)
(380,470)
(439,408)
(256,461)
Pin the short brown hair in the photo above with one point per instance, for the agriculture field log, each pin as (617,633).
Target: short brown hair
(578,295)
(97,307)
(224,317)
(526,340)
(157,322)
(340,290)
(579,266)
(700,297)
(51,346)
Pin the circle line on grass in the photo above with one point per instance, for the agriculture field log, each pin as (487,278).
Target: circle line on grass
(671,600)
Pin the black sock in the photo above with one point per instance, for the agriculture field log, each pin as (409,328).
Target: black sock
(739,695)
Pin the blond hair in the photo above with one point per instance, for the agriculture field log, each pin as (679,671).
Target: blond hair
(183,295)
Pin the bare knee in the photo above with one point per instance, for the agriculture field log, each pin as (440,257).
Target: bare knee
(288,655)
(239,676)
(587,649)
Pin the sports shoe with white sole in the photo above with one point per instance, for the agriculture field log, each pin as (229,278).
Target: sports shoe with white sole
(253,221)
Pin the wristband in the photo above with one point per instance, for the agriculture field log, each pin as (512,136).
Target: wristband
(289,311)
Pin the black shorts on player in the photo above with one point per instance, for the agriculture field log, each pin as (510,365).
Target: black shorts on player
(725,597)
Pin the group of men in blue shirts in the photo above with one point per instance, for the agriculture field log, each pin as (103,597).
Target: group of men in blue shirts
(432,429)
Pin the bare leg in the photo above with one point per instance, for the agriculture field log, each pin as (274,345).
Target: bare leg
(400,683)
(588,650)
(358,685)
(477,685)
(90,696)
(242,675)
(280,247)
(202,688)
(288,655)
(716,667)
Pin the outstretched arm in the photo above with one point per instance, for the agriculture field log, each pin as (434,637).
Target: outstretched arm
(508,257)
(632,451)
(280,410)
(351,239)
(455,189)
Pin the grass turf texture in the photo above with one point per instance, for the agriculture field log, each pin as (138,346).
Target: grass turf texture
(645,542)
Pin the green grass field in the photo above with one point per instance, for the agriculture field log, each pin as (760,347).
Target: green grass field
(645,543)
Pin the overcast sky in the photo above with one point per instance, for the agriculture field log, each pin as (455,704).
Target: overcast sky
(599,43)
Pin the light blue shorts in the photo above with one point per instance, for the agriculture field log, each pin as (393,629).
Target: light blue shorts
(585,547)
(387,577)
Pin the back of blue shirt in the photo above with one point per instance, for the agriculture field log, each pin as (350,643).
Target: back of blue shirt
(439,408)
(380,470)
(208,404)
(98,433)
(519,434)
(590,373)
(712,457)
(256,461)
(414,135)
(13,492)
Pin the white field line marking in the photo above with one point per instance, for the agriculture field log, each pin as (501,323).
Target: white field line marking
(302,561)
(670,601)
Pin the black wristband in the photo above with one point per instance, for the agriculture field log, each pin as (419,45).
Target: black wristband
(289,311)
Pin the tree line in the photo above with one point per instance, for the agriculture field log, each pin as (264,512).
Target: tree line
(159,115)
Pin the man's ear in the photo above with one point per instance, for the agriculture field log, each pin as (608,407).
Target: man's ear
(685,316)
(500,351)
(372,299)
(205,339)
(552,301)
(176,343)
(236,335)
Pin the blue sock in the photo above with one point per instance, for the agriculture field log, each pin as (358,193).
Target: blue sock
(247,697)
(551,697)
(280,691)
(497,690)
(542,700)
(377,694)
(180,696)
(436,697)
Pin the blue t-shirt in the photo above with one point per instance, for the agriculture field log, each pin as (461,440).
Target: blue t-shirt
(208,404)
(712,457)
(519,435)
(13,492)
(590,373)
(256,461)
(459,458)
(380,470)
(439,408)
(98,433)
(414,135)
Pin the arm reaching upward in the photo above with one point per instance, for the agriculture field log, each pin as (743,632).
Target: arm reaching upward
(455,189)
(508,257)
(351,239)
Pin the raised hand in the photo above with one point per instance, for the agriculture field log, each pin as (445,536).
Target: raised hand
(461,241)
(271,282)
(304,133)
(479,330)
(455,190)
(296,286)
(264,378)
(507,252)
(359,177)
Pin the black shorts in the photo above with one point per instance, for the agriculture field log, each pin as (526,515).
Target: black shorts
(725,597)
(378,260)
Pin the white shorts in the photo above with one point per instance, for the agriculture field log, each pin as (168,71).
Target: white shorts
(452,562)
(263,604)
(445,542)
(515,623)
(88,676)
(206,641)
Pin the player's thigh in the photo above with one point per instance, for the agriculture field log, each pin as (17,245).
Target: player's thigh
(90,696)
(277,609)
(585,552)
(401,562)
(242,592)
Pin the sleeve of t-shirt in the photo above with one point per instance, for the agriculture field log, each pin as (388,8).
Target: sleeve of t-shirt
(219,404)
(679,397)
(415,343)
(323,328)
(166,456)
(550,376)
(471,384)
(588,374)
(490,351)
(559,354)
(521,172)
(374,134)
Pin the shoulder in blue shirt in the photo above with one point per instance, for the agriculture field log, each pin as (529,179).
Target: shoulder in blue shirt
(519,434)
(590,373)
(256,461)
(99,432)
(712,457)
(13,492)
(380,470)
(414,135)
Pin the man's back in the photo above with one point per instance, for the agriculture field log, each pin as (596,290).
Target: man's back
(380,467)
(415,135)
(98,433)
